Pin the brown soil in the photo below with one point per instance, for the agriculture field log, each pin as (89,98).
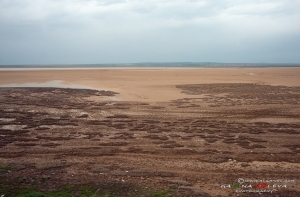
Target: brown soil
(52,137)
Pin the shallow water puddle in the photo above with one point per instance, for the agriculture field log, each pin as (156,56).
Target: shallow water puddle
(59,84)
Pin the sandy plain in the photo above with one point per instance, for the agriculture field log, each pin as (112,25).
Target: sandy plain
(152,132)
(154,84)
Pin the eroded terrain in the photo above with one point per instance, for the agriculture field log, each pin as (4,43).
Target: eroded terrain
(53,137)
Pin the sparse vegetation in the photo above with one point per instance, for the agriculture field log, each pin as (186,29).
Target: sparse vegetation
(141,151)
(5,167)
(80,191)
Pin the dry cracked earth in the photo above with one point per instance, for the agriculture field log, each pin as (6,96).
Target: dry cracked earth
(195,146)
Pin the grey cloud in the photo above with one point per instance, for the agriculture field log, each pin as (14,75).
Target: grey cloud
(109,2)
(97,31)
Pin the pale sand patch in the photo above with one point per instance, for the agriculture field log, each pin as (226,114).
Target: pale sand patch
(153,85)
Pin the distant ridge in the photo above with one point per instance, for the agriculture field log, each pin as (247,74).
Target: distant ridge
(153,65)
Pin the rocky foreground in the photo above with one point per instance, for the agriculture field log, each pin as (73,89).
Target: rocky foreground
(85,143)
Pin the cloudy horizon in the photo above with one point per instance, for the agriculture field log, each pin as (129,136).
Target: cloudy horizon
(120,31)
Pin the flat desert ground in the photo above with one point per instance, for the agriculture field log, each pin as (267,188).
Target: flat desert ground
(151,132)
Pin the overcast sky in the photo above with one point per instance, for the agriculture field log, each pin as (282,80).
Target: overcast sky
(131,31)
